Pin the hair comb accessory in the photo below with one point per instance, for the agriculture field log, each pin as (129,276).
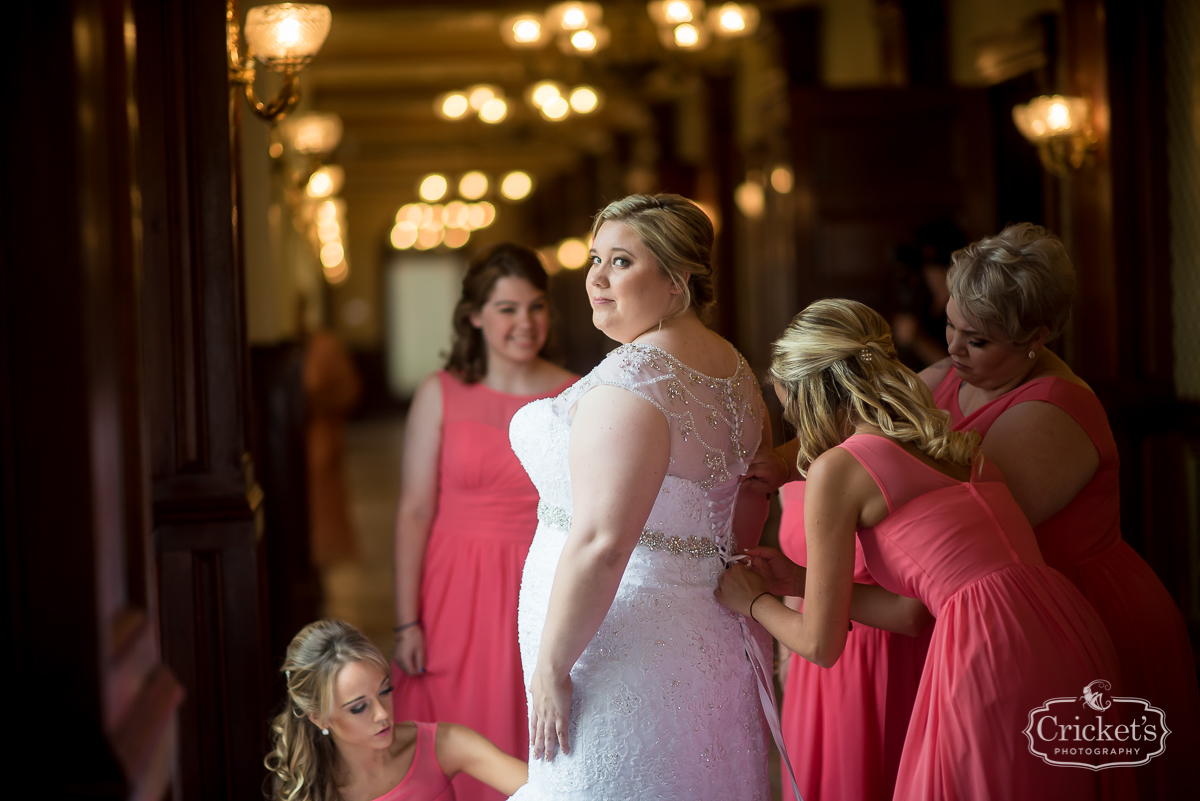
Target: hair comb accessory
(865,355)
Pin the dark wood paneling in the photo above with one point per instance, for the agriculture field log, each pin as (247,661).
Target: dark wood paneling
(206,504)
(873,165)
(81,619)
(281,459)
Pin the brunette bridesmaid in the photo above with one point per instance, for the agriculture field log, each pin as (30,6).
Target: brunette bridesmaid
(468,511)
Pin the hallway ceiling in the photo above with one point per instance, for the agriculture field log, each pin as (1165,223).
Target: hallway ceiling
(385,63)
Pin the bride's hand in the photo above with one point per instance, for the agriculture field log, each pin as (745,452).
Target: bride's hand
(549,714)
(782,575)
(738,588)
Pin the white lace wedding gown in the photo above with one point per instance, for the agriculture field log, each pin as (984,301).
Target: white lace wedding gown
(665,702)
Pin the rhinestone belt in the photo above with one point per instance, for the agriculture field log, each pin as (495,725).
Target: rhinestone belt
(654,540)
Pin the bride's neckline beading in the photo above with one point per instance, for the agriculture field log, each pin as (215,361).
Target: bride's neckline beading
(630,360)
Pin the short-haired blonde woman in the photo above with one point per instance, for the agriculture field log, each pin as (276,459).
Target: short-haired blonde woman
(939,526)
(467,510)
(639,685)
(1044,428)
(337,739)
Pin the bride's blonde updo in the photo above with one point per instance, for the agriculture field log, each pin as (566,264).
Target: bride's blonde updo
(678,234)
(301,761)
(837,356)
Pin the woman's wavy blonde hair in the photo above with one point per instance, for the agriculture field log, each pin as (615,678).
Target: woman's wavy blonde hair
(302,760)
(837,356)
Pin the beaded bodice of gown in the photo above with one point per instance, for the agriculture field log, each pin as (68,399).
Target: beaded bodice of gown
(665,703)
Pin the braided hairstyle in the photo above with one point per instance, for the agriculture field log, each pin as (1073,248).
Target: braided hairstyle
(837,356)
(301,762)
(678,234)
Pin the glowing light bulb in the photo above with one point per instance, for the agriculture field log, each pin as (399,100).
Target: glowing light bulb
(493,111)
(456,237)
(433,187)
(289,32)
(556,108)
(473,185)
(479,96)
(327,213)
(678,11)
(544,92)
(1058,117)
(782,179)
(526,31)
(583,40)
(516,185)
(455,105)
(584,100)
(404,235)
(732,19)
(572,253)
(686,35)
(320,185)
(574,18)
(332,254)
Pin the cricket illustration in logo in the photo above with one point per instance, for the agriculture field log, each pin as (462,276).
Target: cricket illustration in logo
(1093,695)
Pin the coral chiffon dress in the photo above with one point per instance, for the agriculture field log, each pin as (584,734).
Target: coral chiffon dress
(1083,541)
(844,726)
(1010,633)
(425,780)
(485,520)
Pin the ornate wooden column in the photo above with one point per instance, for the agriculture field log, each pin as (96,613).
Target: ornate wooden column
(206,523)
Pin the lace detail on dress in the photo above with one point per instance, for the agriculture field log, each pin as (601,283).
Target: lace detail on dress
(665,704)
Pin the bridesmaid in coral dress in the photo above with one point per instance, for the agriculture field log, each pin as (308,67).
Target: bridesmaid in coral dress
(468,511)
(844,727)
(1049,434)
(941,533)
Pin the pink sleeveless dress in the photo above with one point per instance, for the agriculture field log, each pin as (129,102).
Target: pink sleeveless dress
(1010,634)
(1084,542)
(425,780)
(844,726)
(485,520)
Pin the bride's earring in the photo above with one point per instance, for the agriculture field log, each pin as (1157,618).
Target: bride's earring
(1032,355)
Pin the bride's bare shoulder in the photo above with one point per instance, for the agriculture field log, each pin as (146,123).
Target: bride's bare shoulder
(699,348)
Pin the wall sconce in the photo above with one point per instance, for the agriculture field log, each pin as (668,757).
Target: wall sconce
(313,134)
(284,37)
(1060,127)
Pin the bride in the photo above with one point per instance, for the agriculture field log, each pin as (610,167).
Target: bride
(639,682)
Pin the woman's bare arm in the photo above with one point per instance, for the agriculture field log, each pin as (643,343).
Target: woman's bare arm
(1045,455)
(464,750)
(619,452)
(838,493)
(418,504)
